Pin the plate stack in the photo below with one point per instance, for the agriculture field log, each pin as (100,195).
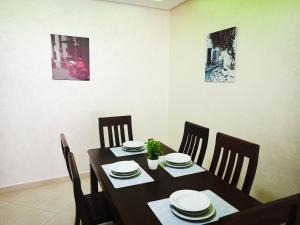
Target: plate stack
(178,160)
(133,146)
(191,205)
(124,169)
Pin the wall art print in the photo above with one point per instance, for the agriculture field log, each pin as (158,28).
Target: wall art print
(220,60)
(70,57)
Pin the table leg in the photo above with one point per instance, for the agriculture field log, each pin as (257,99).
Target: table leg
(93,180)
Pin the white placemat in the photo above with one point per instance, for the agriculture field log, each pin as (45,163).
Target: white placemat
(161,208)
(119,152)
(178,172)
(119,183)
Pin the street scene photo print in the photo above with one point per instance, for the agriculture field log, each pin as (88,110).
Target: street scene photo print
(70,57)
(220,60)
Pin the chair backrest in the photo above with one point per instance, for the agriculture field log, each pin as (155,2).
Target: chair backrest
(283,211)
(65,150)
(81,205)
(192,135)
(116,130)
(237,150)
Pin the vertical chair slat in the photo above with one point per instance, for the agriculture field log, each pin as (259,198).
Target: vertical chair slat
(110,136)
(230,166)
(216,157)
(202,150)
(250,174)
(223,162)
(238,170)
(188,144)
(102,142)
(116,131)
(129,127)
(195,148)
(122,133)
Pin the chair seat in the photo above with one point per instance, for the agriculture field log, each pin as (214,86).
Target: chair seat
(98,207)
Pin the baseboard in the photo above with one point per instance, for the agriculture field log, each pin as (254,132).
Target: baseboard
(56,180)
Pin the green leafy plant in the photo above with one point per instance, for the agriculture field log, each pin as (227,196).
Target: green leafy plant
(153,149)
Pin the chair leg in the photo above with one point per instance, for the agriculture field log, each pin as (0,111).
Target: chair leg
(93,180)
(77,219)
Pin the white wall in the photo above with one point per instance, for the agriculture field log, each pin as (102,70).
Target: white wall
(129,62)
(263,104)
(129,56)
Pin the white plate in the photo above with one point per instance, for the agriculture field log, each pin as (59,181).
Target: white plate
(133,149)
(178,158)
(193,214)
(194,218)
(124,166)
(138,172)
(189,200)
(179,166)
(133,144)
(124,174)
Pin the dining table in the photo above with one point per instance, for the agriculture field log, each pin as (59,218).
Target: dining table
(129,205)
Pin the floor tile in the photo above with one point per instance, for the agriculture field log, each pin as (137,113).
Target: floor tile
(61,219)
(30,197)
(10,213)
(51,204)
(60,203)
(34,217)
(10,196)
(3,203)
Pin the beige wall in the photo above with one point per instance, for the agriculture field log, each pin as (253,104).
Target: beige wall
(129,55)
(263,104)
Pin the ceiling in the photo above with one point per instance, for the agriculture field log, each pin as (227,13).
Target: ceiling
(159,4)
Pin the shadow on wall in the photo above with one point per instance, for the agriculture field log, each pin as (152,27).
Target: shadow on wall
(263,195)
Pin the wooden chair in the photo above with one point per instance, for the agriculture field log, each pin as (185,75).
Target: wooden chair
(190,141)
(236,149)
(113,124)
(283,211)
(92,208)
(65,150)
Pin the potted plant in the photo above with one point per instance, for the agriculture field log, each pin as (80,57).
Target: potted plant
(153,149)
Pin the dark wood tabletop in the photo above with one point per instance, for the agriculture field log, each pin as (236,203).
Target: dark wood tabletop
(129,204)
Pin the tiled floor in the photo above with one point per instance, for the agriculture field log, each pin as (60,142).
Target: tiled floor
(46,205)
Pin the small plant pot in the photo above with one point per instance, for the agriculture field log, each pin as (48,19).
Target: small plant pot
(153,164)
